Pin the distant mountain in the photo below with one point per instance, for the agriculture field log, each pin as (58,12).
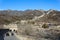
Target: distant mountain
(7,16)
(50,16)
(41,15)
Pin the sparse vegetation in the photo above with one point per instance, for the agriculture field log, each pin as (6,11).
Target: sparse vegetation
(45,26)
(29,29)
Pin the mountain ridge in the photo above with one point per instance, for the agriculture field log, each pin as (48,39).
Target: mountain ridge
(14,15)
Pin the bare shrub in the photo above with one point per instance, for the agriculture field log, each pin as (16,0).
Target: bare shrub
(45,26)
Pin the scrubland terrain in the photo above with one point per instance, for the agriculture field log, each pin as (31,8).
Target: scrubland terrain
(34,24)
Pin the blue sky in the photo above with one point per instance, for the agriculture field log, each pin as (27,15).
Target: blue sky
(29,4)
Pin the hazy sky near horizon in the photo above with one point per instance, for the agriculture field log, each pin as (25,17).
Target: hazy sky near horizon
(29,4)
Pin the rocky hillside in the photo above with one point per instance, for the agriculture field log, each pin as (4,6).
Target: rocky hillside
(30,30)
(7,16)
(51,16)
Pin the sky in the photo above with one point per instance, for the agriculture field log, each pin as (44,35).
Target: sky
(29,4)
